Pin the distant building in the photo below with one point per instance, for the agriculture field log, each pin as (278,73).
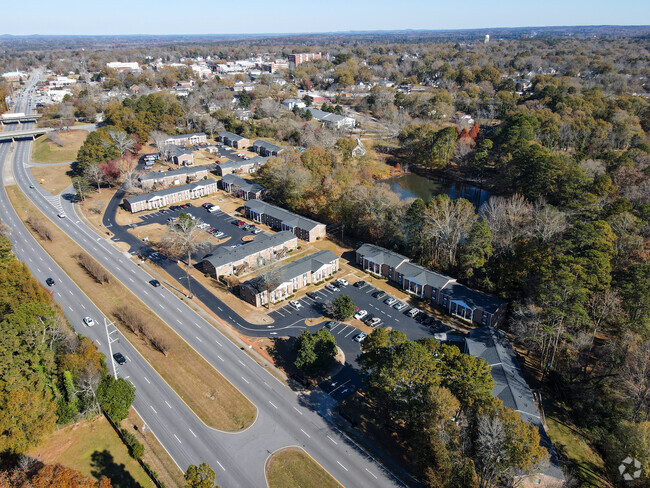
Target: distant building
(241,187)
(298,59)
(281,219)
(331,120)
(180,156)
(175,177)
(187,139)
(233,140)
(290,103)
(240,166)
(264,148)
(162,198)
(123,66)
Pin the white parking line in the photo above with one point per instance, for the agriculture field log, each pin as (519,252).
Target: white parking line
(351,332)
(343,329)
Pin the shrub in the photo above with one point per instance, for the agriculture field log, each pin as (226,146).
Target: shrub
(93,268)
(136,449)
(40,228)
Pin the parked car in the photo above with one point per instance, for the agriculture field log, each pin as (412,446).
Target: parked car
(207,205)
(171,219)
(379,294)
(399,306)
(295,304)
(360,284)
(413,312)
(374,322)
(175,207)
(218,234)
(342,282)
(154,283)
(390,300)
(360,337)
(331,324)
(119,358)
(50,282)
(312,295)
(256,230)
(360,314)
(428,321)
(331,287)
(89,321)
(421,317)
(214,208)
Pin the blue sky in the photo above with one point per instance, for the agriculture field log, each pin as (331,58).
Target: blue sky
(280,16)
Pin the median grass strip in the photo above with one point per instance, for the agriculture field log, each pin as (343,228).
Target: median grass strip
(45,150)
(93,448)
(213,398)
(294,467)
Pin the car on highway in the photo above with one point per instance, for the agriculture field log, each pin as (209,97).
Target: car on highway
(390,300)
(342,282)
(360,284)
(31,186)
(360,337)
(50,282)
(379,294)
(331,324)
(119,358)
(360,314)
(331,287)
(61,215)
(312,295)
(295,304)
(89,321)
(154,283)
(399,306)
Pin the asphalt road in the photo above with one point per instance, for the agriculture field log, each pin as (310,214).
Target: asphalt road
(284,418)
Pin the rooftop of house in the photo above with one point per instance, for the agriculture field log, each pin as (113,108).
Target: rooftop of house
(169,191)
(380,255)
(424,276)
(226,255)
(267,145)
(288,218)
(187,136)
(177,150)
(312,263)
(240,163)
(473,298)
(242,183)
(230,135)
(182,171)
(322,115)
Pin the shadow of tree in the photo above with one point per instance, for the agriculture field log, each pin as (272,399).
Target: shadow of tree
(103,464)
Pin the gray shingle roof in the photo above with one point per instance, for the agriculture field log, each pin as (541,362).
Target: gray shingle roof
(381,256)
(168,191)
(227,255)
(240,163)
(289,218)
(187,136)
(474,299)
(182,171)
(230,135)
(424,276)
(244,184)
(269,146)
(322,115)
(177,150)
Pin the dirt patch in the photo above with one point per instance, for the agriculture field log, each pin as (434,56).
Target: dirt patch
(53,179)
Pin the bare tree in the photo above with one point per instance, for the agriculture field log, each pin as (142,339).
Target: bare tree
(95,175)
(212,125)
(508,219)
(159,139)
(185,237)
(269,279)
(548,221)
(5,230)
(447,223)
(121,140)
(635,378)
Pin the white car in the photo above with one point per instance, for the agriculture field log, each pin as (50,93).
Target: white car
(360,314)
(400,306)
(213,208)
(331,287)
(295,304)
(390,300)
(342,282)
(360,337)
(61,215)
(89,321)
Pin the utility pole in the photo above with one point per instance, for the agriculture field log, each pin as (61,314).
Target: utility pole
(110,342)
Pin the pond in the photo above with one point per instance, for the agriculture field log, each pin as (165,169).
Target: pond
(416,186)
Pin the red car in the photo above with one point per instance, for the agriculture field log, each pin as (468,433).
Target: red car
(239,223)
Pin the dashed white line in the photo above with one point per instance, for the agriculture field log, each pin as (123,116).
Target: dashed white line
(154,410)
(342,466)
(297,410)
(168,404)
(197,325)
(241,362)
(146,379)
(220,357)
(221,465)
(192,432)
(220,309)
(218,342)
(335,443)
(272,404)
(247,382)
(198,338)
(307,435)
(181,442)
(371,474)
(179,310)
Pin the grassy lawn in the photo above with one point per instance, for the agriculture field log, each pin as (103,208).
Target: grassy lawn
(93,448)
(54,179)
(45,151)
(573,445)
(213,398)
(296,469)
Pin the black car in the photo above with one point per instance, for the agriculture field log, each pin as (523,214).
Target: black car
(312,295)
(119,358)
(360,284)
(175,207)
(155,283)
(379,294)
(428,321)
(421,317)
(50,282)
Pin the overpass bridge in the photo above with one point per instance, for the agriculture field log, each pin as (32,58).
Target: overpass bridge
(19,118)
(23,134)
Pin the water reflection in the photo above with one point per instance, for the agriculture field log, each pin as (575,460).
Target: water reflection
(416,186)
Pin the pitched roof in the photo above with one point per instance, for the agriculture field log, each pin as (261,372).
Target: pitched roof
(169,191)
(182,171)
(267,145)
(177,150)
(187,136)
(473,298)
(240,163)
(288,218)
(424,276)
(380,255)
(230,135)
(326,116)
(227,255)
(244,184)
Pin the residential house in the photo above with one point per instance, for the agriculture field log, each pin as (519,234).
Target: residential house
(290,278)
(241,165)
(243,114)
(290,103)
(421,281)
(281,219)
(187,139)
(180,155)
(331,120)
(241,187)
(510,386)
(264,148)
(226,261)
(233,140)
(380,261)
(174,177)
(475,306)
(162,198)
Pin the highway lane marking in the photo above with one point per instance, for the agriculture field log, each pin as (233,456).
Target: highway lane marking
(308,435)
(272,404)
(161,305)
(335,443)
(179,321)
(145,292)
(154,410)
(127,357)
(245,380)
(341,465)
(220,309)
(297,410)
(371,474)
(145,378)
(220,357)
(70,291)
(168,404)
(98,342)
(70,308)
(198,338)
(240,362)
(221,465)
(181,442)
(197,325)
(131,279)
(218,342)
(83,306)
(192,432)
(38,269)
(179,310)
